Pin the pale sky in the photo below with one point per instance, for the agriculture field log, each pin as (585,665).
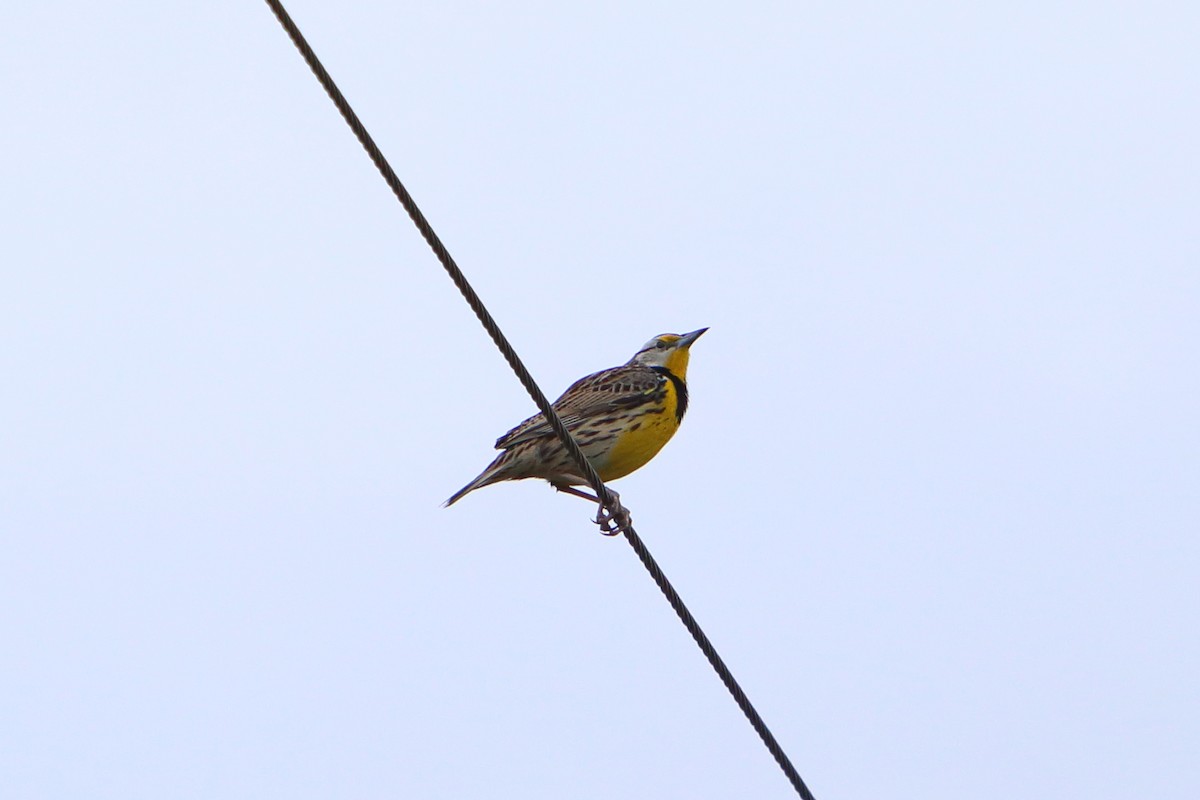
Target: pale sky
(935,500)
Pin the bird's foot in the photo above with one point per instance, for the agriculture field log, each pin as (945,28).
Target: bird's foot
(610,524)
(613,522)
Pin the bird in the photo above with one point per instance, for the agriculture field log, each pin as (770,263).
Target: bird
(621,417)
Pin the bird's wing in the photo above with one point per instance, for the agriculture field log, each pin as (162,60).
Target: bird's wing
(603,392)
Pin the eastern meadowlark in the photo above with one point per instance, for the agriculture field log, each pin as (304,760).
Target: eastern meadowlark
(621,418)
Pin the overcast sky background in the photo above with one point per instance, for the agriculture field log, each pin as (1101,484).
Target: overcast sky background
(936,500)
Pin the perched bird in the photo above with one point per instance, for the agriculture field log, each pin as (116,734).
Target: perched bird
(621,418)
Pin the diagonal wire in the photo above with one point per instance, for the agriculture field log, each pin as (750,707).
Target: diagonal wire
(606,495)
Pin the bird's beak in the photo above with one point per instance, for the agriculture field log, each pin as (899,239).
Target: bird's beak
(688,339)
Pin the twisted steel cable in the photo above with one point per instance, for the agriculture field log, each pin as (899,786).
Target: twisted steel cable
(603,493)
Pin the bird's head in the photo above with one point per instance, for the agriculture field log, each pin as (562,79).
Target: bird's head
(668,350)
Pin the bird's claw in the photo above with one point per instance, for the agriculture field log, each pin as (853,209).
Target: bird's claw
(615,522)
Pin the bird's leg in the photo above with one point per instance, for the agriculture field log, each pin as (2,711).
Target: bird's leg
(610,524)
(562,487)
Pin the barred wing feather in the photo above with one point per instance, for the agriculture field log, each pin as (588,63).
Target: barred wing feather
(591,396)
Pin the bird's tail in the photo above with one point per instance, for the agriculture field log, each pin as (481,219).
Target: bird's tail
(486,478)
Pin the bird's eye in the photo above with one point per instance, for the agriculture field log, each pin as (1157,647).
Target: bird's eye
(661,345)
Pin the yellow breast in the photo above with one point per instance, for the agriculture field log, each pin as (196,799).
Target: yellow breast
(642,437)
